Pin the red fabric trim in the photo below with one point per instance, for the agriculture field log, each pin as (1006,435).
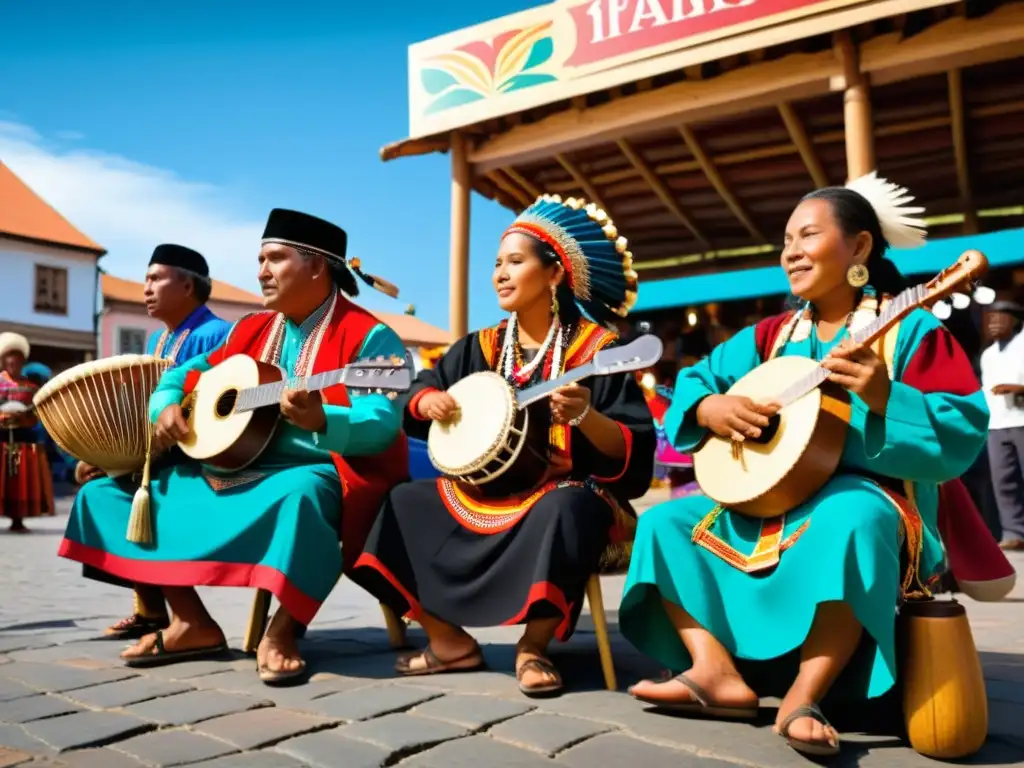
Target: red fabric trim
(191,379)
(939,364)
(415,403)
(767,330)
(973,553)
(208,573)
(627,435)
(545,590)
(541,234)
(367,560)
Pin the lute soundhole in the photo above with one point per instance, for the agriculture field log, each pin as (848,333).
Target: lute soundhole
(767,433)
(226,403)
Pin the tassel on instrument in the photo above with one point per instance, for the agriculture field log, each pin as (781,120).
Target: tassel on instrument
(379,283)
(140,524)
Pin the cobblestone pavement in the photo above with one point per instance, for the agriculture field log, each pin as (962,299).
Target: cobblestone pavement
(66,701)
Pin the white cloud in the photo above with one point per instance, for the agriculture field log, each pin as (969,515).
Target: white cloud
(129,207)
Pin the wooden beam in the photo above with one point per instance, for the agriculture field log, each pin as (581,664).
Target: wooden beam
(860,137)
(582,182)
(523,182)
(955,84)
(712,174)
(793,77)
(458,261)
(781,150)
(804,145)
(502,182)
(661,190)
(957,42)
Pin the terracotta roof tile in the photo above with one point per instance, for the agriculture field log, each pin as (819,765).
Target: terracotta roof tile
(25,214)
(411,330)
(129,291)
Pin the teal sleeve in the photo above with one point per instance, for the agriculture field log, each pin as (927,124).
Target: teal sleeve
(713,375)
(936,420)
(372,422)
(933,437)
(171,388)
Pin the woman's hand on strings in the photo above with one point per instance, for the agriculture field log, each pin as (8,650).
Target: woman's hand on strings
(734,416)
(437,406)
(569,402)
(304,409)
(861,371)
(169,429)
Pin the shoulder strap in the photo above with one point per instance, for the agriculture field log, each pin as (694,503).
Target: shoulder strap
(885,346)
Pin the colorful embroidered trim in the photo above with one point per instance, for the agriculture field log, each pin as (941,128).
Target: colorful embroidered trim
(491,515)
(577,270)
(175,349)
(767,552)
(220,483)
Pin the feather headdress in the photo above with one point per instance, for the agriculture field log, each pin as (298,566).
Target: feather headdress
(597,261)
(889,201)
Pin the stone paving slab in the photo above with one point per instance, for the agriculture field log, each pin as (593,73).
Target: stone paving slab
(66,701)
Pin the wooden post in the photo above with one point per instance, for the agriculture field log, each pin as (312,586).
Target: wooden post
(458,262)
(860,140)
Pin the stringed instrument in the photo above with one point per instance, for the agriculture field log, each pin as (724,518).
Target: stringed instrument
(235,406)
(498,439)
(800,449)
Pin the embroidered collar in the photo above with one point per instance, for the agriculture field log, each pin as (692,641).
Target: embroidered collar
(309,325)
(197,317)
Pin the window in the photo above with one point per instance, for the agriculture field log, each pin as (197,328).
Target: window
(131,341)
(51,290)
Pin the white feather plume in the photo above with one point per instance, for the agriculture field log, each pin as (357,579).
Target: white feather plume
(899,224)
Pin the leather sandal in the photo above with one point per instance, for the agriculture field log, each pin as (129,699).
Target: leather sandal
(435,666)
(701,704)
(135,627)
(541,666)
(163,656)
(812,748)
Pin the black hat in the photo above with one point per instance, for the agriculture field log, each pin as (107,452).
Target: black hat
(300,230)
(1009,307)
(181,257)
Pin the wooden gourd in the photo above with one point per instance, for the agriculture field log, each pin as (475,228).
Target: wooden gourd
(945,705)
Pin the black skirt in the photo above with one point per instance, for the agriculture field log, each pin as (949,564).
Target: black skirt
(420,556)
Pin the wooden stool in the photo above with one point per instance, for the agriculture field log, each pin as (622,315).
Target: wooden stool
(261,609)
(604,647)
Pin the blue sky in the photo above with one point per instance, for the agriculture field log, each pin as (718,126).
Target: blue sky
(189,121)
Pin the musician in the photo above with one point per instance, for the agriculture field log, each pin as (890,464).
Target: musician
(451,557)
(177,289)
(26,483)
(833,573)
(276,524)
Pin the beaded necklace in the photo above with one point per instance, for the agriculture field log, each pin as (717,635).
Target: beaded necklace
(551,354)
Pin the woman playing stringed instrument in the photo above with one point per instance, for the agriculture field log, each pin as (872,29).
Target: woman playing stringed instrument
(450,557)
(827,575)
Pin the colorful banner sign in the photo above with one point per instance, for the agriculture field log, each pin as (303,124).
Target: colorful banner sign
(555,51)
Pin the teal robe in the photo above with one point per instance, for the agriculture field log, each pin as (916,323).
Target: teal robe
(274,525)
(849,548)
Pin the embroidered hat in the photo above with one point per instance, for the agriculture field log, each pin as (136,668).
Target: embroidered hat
(312,234)
(179,256)
(598,265)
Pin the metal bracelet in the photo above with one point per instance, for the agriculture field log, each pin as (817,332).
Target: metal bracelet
(579,419)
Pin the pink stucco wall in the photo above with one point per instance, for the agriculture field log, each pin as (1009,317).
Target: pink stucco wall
(119,315)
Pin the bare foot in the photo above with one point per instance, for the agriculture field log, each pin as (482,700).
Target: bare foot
(179,636)
(724,688)
(451,652)
(279,649)
(540,675)
(806,730)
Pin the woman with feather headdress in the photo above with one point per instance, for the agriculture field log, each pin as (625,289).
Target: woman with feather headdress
(451,558)
(823,588)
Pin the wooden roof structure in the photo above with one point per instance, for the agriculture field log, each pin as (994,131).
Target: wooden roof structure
(700,167)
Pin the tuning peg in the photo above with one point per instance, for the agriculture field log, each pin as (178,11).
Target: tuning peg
(984,295)
(391,395)
(960,301)
(942,310)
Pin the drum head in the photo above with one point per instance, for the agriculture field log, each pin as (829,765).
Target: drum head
(487,406)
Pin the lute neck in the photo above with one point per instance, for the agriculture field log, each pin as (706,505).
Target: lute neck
(893,311)
(531,395)
(268,394)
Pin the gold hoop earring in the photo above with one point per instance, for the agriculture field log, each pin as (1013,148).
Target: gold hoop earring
(554,300)
(857,276)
